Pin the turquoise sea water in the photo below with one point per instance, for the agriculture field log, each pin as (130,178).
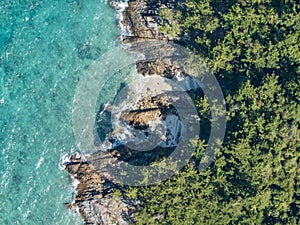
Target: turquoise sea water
(45,47)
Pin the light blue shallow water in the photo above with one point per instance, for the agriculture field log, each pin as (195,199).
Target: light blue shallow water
(45,47)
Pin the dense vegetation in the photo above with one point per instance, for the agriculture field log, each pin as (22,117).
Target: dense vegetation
(253,49)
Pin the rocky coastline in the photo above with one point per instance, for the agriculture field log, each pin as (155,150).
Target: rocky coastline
(94,197)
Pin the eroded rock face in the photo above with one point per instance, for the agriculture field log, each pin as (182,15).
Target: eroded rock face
(148,109)
(142,17)
(143,20)
(157,67)
(93,198)
(140,119)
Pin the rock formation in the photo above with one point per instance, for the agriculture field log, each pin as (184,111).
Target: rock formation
(142,17)
(94,199)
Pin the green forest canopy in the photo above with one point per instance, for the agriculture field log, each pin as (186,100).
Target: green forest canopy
(253,49)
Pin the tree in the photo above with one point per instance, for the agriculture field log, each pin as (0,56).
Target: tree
(253,49)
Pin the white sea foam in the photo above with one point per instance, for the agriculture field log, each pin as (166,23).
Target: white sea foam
(75,182)
(39,163)
(120,7)
(64,159)
(187,83)
(25,215)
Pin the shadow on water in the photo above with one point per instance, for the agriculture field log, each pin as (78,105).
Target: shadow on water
(104,117)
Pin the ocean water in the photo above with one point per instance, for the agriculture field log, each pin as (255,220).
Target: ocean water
(45,48)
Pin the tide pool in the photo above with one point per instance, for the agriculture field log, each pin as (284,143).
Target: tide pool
(45,47)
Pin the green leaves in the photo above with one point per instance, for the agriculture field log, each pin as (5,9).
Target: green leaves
(253,48)
(262,150)
(169,26)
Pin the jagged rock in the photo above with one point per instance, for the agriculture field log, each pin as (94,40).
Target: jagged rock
(158,67)
(147,109)
(93,198)
(143,18)
(140,118)
(137,16)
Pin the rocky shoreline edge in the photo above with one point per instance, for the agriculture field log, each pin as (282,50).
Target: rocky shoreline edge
(94,199)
